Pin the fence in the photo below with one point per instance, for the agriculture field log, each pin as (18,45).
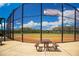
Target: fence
(2,28)
(37,21)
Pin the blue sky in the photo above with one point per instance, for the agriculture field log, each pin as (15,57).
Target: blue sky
(49,22)
(8,7)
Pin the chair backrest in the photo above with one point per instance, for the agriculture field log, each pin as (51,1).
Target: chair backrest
(50,44)
(41,44)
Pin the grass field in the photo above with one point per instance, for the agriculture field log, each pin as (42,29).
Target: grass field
(33,37)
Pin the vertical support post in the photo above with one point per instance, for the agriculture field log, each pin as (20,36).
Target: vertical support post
(7,33)
(75,26)
(1,28)
(22,20)
(62,24)
(10,26)
(41,24)
(4,30)
(13,25)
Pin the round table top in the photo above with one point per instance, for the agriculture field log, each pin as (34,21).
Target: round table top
(46,41)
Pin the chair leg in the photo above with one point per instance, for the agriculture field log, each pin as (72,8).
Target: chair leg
(0,43)
(40,49)
(55,47)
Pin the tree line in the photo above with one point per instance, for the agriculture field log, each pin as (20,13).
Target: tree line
(66,29)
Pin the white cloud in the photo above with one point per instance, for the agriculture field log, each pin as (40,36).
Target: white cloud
(45,23)
(77,8)
(51,25)
(31,24)
(70,15)
(52,12)
(15,27)
(68,12)
(68,19)
(55,24)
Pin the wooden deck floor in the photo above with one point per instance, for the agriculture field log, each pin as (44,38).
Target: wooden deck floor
(15,48)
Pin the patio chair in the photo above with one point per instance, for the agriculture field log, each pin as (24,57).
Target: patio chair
(55,46)
(39,47)
(52,45)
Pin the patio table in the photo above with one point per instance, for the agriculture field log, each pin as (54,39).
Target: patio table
(45,44)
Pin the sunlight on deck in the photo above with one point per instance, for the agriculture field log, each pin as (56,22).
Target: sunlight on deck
(15,48)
